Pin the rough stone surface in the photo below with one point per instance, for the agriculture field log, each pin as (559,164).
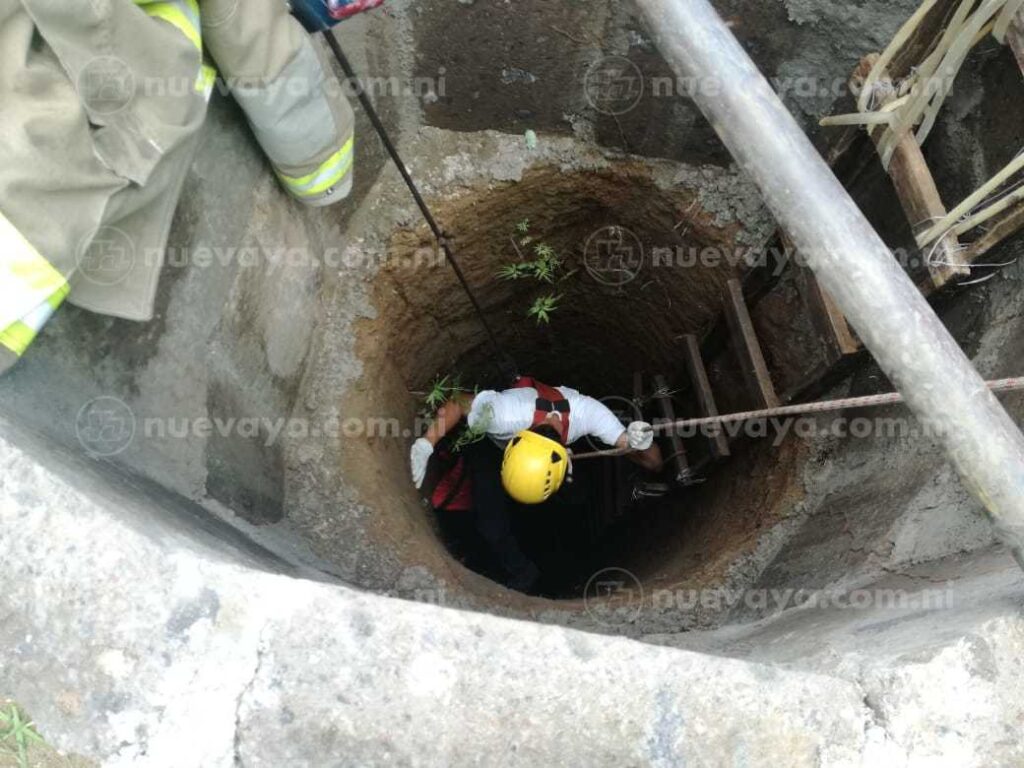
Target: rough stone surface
(139,642)
(137,638)
(845,535)
(178,603)
(236,392)
(808,48)
(274,343)
(936,651)
(833,37)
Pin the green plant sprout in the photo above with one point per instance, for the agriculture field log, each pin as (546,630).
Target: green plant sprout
(513,271)
(545,268)
(17,733)
(547,254)
(475,433)
(443,389)
(542,308)
(525,238)
(440,392)
(547,263)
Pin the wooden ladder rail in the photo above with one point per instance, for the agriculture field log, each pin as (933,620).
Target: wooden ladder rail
(706,404)
(747,348)
(915,187)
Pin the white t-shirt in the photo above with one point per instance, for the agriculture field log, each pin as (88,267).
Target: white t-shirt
(505,414)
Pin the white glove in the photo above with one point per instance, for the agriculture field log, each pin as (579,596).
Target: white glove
(639,435)
(420,454)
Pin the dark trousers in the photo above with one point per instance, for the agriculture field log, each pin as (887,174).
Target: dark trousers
(492,514)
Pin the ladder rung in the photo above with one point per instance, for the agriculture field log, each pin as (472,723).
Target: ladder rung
(668,413)
(705,397)
(828,320)
(748,350)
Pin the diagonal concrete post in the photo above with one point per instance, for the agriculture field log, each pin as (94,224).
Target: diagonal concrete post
(850,260)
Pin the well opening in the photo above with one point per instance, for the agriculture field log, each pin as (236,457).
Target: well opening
(613,321)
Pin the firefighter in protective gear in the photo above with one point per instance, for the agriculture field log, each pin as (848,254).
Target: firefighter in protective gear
(526,460)
(101,104)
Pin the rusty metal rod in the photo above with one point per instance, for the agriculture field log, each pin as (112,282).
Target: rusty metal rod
(823,406)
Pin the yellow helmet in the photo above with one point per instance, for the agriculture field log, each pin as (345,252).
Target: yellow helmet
(534,467)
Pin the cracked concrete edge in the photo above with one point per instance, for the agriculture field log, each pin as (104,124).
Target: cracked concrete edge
(939,518)
(481,689)
(941,685)
(879,746)
(140,643)
(966,694)
(246,690)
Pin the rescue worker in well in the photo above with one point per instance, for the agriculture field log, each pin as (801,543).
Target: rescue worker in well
(526,460)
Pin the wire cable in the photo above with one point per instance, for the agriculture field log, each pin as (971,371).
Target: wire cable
(503,362)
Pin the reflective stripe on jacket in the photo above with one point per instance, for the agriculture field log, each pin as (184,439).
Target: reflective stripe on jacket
(105,136)
(187,18)
(30,289)
(300,117)
(330,174)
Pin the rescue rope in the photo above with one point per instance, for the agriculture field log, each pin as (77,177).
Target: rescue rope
(867,401)
(504,363)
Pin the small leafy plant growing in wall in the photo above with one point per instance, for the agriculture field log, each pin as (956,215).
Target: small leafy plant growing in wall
(546,266)
(543,307)
(442,389)
(470,435)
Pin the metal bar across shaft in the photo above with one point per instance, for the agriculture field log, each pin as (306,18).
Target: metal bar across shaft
(867,401)
(825,406)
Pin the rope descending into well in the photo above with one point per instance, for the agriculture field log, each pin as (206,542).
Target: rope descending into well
(825,406)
